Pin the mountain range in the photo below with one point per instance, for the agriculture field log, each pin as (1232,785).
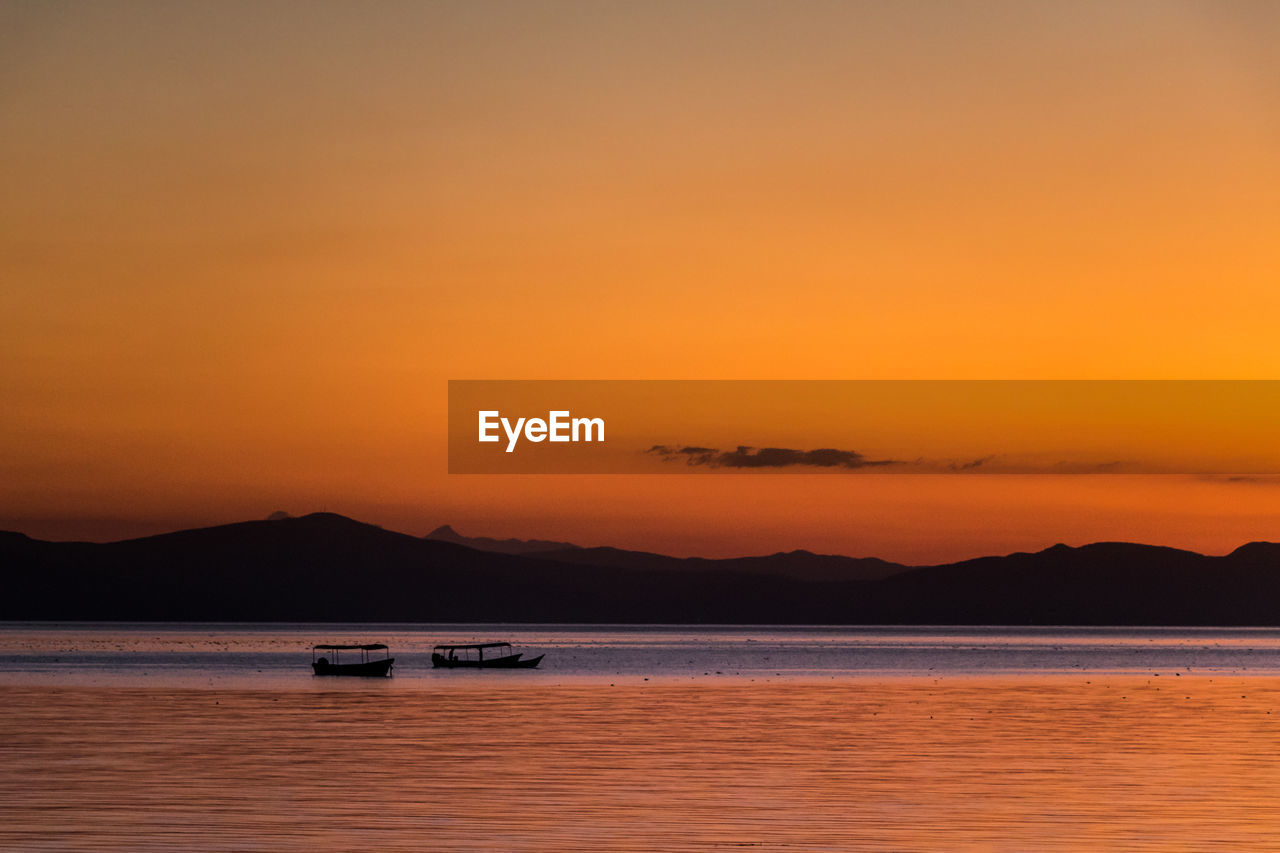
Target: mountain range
(326,567)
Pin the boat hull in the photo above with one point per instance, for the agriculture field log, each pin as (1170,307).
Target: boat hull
(515,661)
(374,668)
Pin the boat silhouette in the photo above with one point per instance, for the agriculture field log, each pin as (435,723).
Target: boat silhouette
(365,666)
(501,657)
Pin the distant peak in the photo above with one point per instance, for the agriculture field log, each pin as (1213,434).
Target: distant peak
(331,516)
(1256,548)
(278,515)
(445,533)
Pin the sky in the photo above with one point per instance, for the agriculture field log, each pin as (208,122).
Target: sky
(245,246)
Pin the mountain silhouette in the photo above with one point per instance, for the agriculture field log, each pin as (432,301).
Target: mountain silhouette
(326,567)
(796,565)
(445,533)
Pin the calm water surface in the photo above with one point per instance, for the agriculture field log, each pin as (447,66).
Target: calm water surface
(216,737)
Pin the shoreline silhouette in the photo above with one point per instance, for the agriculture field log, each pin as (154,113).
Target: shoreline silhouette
(326,567)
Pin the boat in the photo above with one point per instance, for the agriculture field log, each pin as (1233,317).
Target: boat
(456,655)
(366,666)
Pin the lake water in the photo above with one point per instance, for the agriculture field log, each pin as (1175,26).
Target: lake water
(216,737)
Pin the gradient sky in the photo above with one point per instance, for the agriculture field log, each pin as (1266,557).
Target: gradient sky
(243,247)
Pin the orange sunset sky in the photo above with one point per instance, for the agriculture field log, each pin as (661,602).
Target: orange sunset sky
(244,247)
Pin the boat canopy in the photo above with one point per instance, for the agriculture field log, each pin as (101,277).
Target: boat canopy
(368,647)
(472,645)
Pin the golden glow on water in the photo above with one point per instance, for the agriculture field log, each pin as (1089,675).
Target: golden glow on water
(1058,762)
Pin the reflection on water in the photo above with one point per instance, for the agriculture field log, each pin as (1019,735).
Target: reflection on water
(1052,762)
(1058,759)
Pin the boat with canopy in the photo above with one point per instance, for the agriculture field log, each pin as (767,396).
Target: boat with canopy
(480,656)
(365,665)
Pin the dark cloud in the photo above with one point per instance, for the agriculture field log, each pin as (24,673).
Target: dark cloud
(1114,467)
(767,457)
(690,455)
(1003,464)
(1245,479)
(969,466)
(746,457)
